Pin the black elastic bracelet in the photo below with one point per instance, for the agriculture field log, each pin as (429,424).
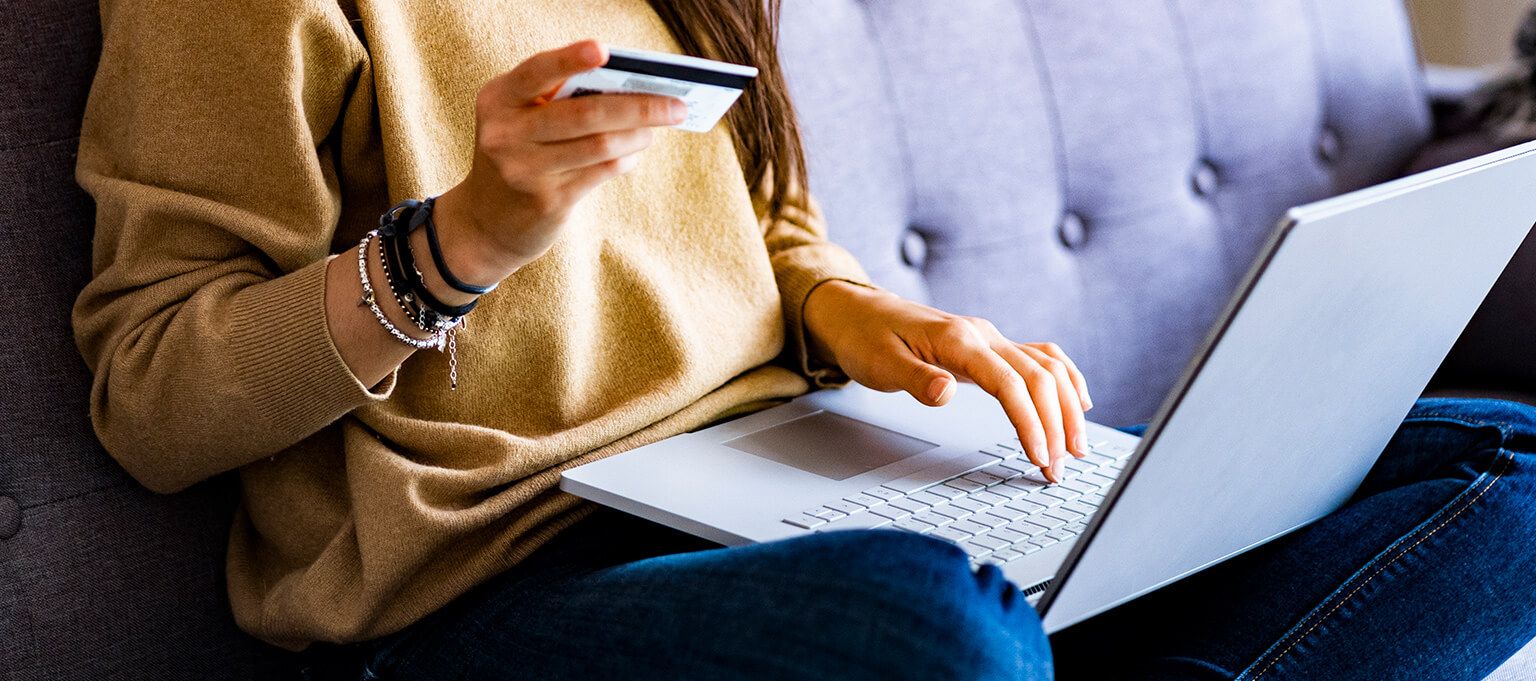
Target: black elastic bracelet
(426,210)
(402,259)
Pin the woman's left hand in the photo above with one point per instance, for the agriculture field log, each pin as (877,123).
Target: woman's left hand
(890,344)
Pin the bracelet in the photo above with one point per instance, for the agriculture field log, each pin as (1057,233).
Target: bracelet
(424,317)
(423,215)
(397,242)
(372,302)
(441,339)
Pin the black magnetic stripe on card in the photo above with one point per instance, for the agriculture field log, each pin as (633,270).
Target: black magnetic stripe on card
(678,72)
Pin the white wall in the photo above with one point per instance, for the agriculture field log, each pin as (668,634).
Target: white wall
(1466,32)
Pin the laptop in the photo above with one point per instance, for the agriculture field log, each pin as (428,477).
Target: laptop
(1336,330)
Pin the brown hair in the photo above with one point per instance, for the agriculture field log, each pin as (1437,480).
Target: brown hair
(766,131)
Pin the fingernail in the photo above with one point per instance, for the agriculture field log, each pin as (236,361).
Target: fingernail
(1081,445)
(1056,469)
(937,388)
(1087,401)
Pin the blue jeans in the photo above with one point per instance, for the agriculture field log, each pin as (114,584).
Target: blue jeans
(1426,574)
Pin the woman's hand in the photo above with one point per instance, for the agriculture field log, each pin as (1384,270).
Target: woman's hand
(535,159)
(890,344)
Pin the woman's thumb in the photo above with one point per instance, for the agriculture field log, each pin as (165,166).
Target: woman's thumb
(929,384)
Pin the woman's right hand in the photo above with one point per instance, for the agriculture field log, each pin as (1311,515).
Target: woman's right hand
(535,159)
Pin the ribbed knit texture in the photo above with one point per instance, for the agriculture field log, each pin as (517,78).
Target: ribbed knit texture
(231,152)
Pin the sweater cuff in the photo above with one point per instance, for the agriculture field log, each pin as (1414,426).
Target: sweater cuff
(799,272)
(285,358)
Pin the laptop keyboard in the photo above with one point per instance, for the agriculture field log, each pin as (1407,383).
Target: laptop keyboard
(994,504)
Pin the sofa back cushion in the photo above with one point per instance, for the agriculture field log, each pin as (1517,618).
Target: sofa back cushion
(1099,174)
(98,577)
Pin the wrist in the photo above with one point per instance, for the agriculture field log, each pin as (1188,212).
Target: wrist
(466,246)
(827,305)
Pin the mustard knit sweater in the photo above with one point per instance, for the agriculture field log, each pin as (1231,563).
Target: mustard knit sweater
(233,148)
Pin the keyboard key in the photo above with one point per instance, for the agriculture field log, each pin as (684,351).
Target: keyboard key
(990,499)
(1062,514)
(1001,472)
(928,497)
(1093,499)
(1080,486)
(970,527)
(1027,528)
(964,485)
(1009,491)
(975,551)
(1099,458)
(1008,535)
(863,520)
(1029,506)
(971,505)
(907,504)
(826,514)
(983,478)
(991,543)
(1021,465)
(885,493)
(988,519)
(1103,481)
(913,525)
(1077,527)
(1027,548)
(844,506)
(1006,513)
(1076,466)
(1042,542)
(951,534)
(805,522)
(1080,507)
(1007,555)
(1061,493)
(1045,500)
(946,492)
(940,472)
(890,512)
(865,500)
(1060,535)
(951,511)
(1023,484)
(1049,522)
(933,518)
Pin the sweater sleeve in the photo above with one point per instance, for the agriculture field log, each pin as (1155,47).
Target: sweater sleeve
(206,147)
(803,259)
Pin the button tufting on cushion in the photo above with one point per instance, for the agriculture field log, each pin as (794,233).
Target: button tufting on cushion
(1206,180)
(1329,146)
(1073,231)
(914,249)
(10,517)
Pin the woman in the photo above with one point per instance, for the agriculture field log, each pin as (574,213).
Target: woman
(250,313)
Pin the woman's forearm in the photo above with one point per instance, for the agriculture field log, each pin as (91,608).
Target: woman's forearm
(366,347)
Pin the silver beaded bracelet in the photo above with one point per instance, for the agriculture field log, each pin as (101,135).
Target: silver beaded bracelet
(441,340)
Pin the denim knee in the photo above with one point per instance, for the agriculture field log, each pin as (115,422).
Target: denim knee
(971,624)
(1515,421)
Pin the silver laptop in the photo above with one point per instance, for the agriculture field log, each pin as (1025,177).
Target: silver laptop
(1335,332)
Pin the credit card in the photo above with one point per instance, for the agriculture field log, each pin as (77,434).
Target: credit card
(709,88)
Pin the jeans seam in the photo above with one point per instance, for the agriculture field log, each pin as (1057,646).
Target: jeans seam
(1339,602)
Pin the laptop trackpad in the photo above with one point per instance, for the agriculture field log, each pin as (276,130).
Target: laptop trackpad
(830,445)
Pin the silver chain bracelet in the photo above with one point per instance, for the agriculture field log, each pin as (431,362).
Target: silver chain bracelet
(443,340)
